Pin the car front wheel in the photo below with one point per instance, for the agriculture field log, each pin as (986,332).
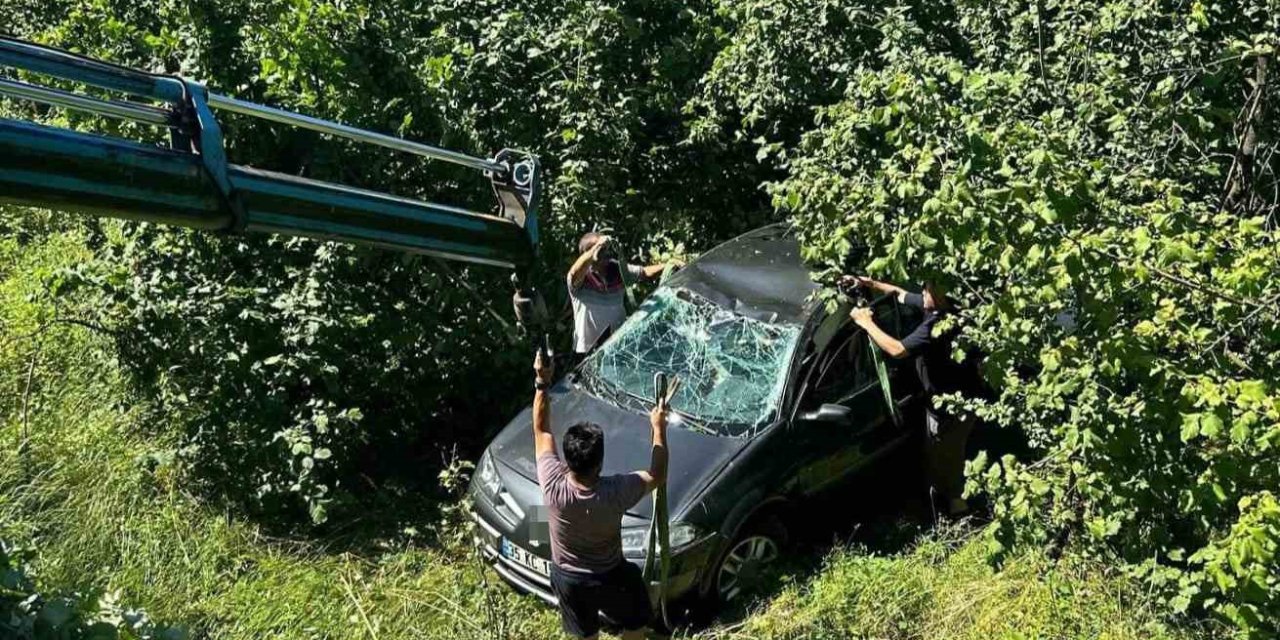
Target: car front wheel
(744,567)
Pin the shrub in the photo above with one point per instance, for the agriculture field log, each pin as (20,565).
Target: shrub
(305,374)
(27,614)
(1081,176)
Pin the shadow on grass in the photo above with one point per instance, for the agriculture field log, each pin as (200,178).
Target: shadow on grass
(884,510)
(397,502)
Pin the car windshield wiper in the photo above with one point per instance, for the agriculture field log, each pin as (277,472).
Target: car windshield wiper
(695,424)
(617,394)
(688,420)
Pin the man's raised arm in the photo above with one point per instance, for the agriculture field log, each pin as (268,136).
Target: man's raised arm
(654,270)
(582,266)
(543,440)
(657,473)
(887,343)
(874,285)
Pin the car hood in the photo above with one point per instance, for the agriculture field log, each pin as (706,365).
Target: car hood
(695,457)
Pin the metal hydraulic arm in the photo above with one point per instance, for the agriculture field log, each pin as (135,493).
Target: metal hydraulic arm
(190,182)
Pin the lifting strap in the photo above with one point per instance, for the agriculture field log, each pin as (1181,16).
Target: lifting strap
(882,373)
(657,560)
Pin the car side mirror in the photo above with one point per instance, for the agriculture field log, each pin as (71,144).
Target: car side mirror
(830,414)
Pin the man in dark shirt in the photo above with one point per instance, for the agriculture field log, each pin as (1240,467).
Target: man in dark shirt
(939,374)
(584,508)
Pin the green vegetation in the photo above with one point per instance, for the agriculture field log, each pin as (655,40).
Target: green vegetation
(1106,163)
(243,436)
(944,589)
(86,484)
(86,487)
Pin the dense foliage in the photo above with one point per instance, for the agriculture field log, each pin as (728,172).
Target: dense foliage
(1096,182)
(308,371)
(42,373)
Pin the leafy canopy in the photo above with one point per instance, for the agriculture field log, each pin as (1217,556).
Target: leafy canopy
(1096,182)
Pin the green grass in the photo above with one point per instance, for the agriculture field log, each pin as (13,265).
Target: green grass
(84,481)
(943,589)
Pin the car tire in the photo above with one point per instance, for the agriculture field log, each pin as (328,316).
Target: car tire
(744,562)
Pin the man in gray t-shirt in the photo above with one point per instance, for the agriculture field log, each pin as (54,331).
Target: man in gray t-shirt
(584,509)
(598,290)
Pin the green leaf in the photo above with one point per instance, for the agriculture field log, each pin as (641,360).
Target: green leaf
(1190,426)
(1254,391)
(1045,210)
(1210,424)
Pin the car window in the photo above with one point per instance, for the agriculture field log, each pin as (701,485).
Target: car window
(844,369)
(847,366)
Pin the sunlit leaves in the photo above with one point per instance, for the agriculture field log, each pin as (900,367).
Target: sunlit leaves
(1061,165)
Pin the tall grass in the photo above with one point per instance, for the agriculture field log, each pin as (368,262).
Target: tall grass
(944,589)
(87,477)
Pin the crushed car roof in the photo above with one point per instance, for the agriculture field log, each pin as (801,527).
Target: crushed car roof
(759,275)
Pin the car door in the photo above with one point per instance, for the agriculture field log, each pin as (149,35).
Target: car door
(843,420)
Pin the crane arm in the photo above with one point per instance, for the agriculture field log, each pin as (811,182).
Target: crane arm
(190,183)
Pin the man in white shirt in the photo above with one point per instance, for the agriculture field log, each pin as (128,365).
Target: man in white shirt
(598,290)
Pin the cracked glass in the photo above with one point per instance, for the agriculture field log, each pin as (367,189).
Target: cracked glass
(732,368)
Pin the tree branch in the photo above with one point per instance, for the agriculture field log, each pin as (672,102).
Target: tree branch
(1238,190)
(1040,42)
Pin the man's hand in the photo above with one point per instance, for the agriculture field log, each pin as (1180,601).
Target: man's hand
(588,259)
(863,282)
(862,317)
(655,270)
(601,243)
(847,282)
(658,417)
(657,472)
(544,370)
(887,343)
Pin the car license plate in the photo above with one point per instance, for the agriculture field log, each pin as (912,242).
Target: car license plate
(525,559)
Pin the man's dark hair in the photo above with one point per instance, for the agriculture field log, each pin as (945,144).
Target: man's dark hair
(584,448)
(588,240)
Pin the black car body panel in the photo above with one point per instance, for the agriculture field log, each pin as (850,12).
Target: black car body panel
(758,275)
(830,422)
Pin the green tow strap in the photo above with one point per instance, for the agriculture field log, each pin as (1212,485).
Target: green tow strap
(658,565)
(882,372)
(659,536)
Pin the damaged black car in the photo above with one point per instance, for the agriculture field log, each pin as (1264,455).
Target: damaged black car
(780,402)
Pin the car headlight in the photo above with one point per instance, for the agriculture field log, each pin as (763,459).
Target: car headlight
(682,535)
(487,474)
(635,540)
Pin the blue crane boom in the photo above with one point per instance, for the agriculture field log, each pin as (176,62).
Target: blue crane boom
(189,182)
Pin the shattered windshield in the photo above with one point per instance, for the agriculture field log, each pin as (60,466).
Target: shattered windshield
(732,368)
